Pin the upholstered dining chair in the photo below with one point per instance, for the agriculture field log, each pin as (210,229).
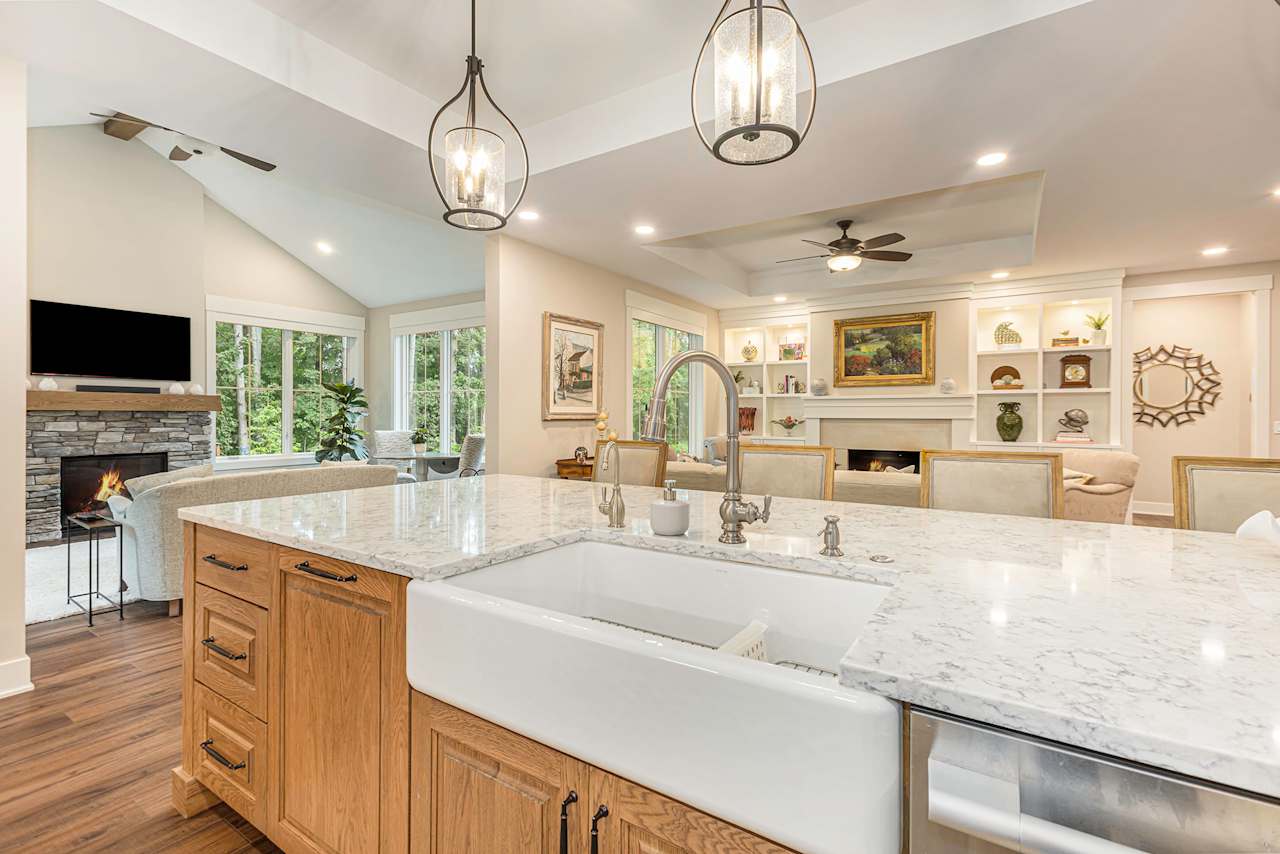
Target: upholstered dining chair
(1218,493)
(788,471)
(398,442)
(643,463)
(1008,482)
(471,460)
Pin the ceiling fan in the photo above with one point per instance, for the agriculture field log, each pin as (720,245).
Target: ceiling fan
(845,253)
(126,127)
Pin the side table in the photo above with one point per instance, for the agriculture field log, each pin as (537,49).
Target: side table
(95,525)
(571,469)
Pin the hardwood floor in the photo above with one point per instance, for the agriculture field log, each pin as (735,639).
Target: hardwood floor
(1150,520)
(85,757)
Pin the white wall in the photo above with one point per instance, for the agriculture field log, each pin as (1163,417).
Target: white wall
(378,357)
(114,224)
(15,668)
(521,282)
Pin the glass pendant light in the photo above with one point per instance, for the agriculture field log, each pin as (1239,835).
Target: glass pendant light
(474,188)
(757,50)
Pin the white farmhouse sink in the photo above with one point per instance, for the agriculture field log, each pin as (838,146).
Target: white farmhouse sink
(533,644)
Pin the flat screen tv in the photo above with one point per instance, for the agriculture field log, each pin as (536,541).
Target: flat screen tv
(83,341)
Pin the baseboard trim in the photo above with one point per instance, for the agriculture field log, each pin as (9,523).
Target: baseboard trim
(15,677)
(1153,508)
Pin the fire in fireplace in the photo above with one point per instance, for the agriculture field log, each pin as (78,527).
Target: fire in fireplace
(866,460)
(87,482)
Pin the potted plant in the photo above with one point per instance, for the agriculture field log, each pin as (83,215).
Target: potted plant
(340,438)
(789,423)
(1097,322)
(419,439)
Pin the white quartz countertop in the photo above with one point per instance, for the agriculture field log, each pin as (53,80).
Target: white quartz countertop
(1154,645)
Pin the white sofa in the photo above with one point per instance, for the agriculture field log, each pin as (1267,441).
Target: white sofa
(152,531)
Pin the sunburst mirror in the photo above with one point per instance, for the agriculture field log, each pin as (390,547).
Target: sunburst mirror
(1172,385)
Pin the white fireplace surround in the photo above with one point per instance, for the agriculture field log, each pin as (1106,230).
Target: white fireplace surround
(953,415)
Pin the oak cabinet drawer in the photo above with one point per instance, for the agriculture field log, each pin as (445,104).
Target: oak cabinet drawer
(234,564)
(360,580)
(231,649)
(231,754)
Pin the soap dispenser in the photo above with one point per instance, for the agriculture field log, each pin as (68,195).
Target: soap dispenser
(669,516)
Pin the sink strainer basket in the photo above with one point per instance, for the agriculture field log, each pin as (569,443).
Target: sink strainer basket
(748,643)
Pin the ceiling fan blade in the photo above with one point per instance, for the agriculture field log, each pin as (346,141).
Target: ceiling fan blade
(816,243)
(883,240)
(806,258)
(178,154)
(885,255)
(123,126)
(252,161)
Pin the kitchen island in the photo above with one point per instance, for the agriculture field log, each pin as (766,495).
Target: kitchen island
(1153,646)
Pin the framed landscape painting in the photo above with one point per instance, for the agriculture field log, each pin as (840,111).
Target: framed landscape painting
(893,349)
(572,368)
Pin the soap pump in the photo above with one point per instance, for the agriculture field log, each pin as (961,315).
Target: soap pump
(669,516)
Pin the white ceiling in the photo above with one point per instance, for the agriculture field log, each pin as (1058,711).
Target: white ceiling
(1151,125)
(542,58)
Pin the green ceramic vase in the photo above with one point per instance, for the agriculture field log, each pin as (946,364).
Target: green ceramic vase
(1009,422)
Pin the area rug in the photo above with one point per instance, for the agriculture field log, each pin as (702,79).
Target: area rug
(47,579)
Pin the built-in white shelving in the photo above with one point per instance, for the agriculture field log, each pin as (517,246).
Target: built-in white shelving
(1039,315)
(769,369)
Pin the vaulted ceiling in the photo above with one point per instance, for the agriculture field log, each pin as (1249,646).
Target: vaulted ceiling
(1138,132)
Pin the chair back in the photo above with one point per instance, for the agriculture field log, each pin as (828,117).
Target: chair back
(471,460)
(788,471)
(1007,482)
(1218,493)
(398,442)
(642,463)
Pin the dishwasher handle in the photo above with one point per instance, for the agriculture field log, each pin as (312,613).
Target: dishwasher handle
(1016,831)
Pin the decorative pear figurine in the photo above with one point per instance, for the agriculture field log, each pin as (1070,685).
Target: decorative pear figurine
(1009,422)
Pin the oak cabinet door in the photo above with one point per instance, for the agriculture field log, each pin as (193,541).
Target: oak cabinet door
(641,821)
(339,719)
(480,789)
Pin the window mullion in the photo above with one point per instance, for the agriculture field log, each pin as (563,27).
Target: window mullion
(286,391)
(446,390)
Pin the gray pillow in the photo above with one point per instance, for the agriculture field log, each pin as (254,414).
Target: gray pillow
(139,485)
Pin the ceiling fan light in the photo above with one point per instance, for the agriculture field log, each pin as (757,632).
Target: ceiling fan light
(843,263)
(756,52)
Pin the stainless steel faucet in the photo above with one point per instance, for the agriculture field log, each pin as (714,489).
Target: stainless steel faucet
(611,503)
(733,510)
(831,537)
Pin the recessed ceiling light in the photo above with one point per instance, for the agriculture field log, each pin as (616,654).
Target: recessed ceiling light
(994,158)
(1000,274)
(1276,193)
(645,229)
(528,215)
(1215,250)
(324,247)
(779,299)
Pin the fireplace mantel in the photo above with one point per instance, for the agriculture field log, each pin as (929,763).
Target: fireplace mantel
(888,411)
(91,401)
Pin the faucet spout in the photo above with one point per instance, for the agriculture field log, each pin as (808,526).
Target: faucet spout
(733,510)
(611,503)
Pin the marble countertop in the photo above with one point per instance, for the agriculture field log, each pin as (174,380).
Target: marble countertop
(1154,645)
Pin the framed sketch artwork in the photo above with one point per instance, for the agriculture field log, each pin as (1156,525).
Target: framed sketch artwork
(572,368)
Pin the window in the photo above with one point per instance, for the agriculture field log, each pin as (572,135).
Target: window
(269,379)
(441,381)
(652,346)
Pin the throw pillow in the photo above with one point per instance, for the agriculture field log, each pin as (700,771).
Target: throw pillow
(1072,474)
(911,469)
(139,485)
(344,462)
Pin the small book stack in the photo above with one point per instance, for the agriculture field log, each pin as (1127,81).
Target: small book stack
(1069,438)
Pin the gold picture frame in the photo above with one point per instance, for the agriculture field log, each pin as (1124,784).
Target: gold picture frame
(858,341)
(572,368)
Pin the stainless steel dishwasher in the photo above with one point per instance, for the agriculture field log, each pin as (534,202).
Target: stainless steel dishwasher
(976,789)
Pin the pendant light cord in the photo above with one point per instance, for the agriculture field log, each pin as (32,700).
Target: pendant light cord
(473,27)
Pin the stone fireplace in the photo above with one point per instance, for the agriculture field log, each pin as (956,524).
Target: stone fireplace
(69,451)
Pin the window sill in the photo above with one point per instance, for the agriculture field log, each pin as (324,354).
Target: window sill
(264,461)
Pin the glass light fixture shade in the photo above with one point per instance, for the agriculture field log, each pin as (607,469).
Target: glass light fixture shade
(843,263)
(758,53)
(475,178)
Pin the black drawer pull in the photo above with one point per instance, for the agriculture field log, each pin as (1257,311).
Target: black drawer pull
(230,567)
(223,651)
(306,566)
(564,820)
(218,757)
(602,812)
